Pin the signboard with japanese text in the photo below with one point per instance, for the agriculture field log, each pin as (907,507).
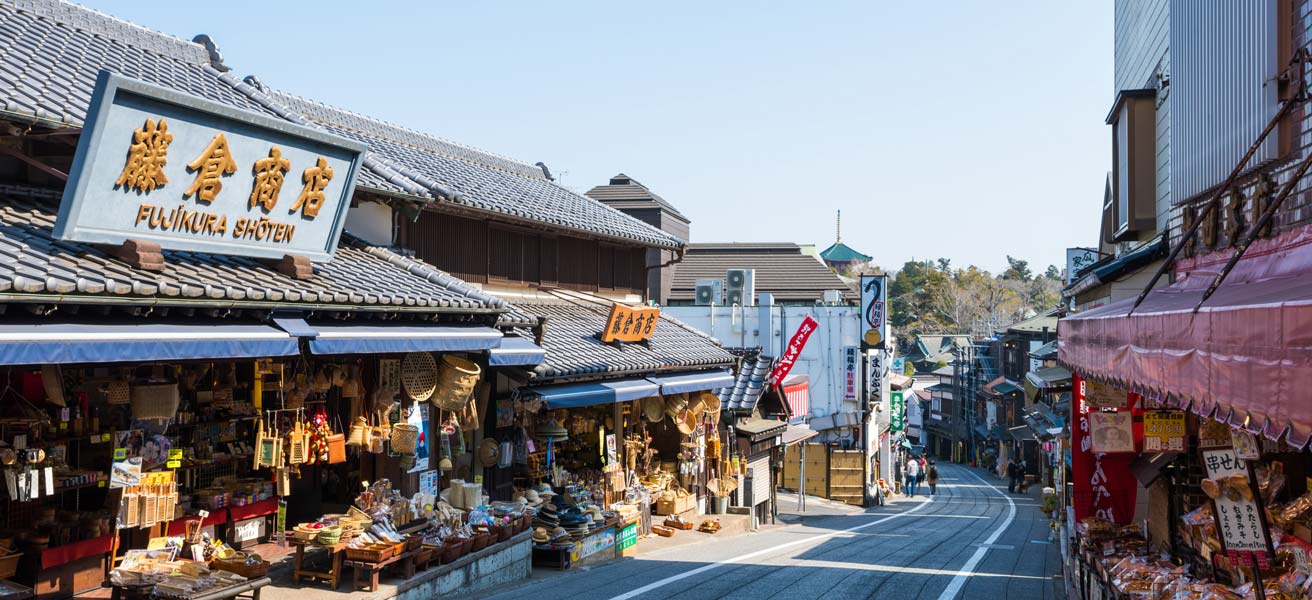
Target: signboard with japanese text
(1104,396)
(1077,259)
(154,164)
(793,352)
(1239,520)
(1223,462)
(897,412)
(874,311)
(851,364)
(1163,431)
(630,324)
(875,361)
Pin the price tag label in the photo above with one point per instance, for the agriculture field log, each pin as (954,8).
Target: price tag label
(478,479)
(100,483)
(203,514)
(63,425)
(95,439)
(173,464)
(104,437)
(63,414)
(120,453)
(175,454)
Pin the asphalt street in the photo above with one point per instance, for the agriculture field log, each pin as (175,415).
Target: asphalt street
(972,540)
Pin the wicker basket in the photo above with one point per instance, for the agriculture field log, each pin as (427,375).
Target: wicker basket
(9,563)
(414,542)
(419,375)
(405,438)
(118,392)
(481,541)
(455,382)
(329,536)
(238,565)
(372,553)
(359,433)
(154,401)
(451,552)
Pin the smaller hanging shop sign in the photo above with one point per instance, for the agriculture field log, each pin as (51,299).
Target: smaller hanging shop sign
(1240,522)
(1112,432)
(850,362)
(896,412)
(1099,395)
(157,165)
(630,324)
(794,351)
(1163,431)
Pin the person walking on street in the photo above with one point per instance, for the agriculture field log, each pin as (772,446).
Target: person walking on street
(912,475)
(1012,469)
(920,476)
(932,477)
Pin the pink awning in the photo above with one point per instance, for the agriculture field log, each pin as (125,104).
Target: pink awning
(1246,356)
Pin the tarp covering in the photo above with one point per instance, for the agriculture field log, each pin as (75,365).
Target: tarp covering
(391,339)
(516,351)
(68,343)
(1243,357)
(574,395)
(692,382)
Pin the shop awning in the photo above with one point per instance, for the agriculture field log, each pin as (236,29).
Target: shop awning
(692,382)
(592,393)
(797,389)
(65,343)
(1006,387)
(1022,433)
(1242,357)
(390,339)
(516,351)
(1049,377)
(798,433)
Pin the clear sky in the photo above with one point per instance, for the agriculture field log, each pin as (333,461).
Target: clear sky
(969,130)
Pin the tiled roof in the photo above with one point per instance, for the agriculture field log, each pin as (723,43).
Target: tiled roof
(625,192)
(574,351)
(466,177)
(781,269)
(359,276)
(51,53)
(749,383)
(840,252)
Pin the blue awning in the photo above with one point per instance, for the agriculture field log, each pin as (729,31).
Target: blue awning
(68,343)
(391,339)
(692,382)
(516,351)
(575,395)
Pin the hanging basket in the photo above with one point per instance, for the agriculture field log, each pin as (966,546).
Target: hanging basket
(359,431)
(118,392)
(419,375)
(455,382)
(154,401)
(405,438)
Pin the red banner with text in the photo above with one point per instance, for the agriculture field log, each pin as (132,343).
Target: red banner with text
(793,351)
(1104,485)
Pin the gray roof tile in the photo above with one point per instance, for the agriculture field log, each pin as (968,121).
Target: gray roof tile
(574,351)
(749,383)
(359,275)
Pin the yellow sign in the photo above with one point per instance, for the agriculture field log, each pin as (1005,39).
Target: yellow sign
(173,464)
(630,324)
(1163,431)
(215,162)
(175,454)
(147,156)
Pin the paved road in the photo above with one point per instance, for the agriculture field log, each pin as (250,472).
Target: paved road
(972,540)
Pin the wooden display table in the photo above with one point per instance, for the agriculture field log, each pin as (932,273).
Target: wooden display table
(333,575)
(251,589)
(404,560)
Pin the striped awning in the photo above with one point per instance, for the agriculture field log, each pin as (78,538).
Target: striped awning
(797,389)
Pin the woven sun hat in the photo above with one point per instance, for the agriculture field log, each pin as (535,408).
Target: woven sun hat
(489,452)
(653,409)
(559,533)
(531,496)
(541,535)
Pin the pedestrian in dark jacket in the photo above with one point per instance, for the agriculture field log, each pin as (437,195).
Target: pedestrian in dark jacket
(1013,473)
(932,477)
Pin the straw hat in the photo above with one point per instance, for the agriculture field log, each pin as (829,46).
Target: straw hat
(675,403)
(711,403)
(541,535)
(531,496)
(653,408)
(488,453)
(552,430)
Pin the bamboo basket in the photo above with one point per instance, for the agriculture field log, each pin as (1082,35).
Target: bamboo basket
(154,401)
(419,375)
(455,383)
(118,392)
(405,438)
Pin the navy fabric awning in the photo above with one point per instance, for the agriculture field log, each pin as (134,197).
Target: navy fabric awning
(516,351)
(575,395)
(692,382)
(391,339)
(68,343)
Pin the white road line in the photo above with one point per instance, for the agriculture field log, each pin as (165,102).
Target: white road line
(715,565)
(968,569)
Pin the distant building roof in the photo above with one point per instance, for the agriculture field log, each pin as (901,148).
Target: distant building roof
(842,253)
(1038,323)
(781,270)
(936,347)
(624,192)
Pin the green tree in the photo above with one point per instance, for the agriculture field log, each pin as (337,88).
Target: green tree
(1053,273)
(1017,269)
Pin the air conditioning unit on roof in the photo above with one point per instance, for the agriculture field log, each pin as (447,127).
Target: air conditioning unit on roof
(707,292)
(741,287)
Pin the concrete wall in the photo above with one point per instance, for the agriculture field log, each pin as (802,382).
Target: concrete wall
(371,222)
(480,571)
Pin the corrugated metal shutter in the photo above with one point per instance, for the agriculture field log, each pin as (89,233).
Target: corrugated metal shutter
(1223,93)
(760,472)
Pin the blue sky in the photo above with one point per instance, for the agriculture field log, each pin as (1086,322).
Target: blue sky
(969,130)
